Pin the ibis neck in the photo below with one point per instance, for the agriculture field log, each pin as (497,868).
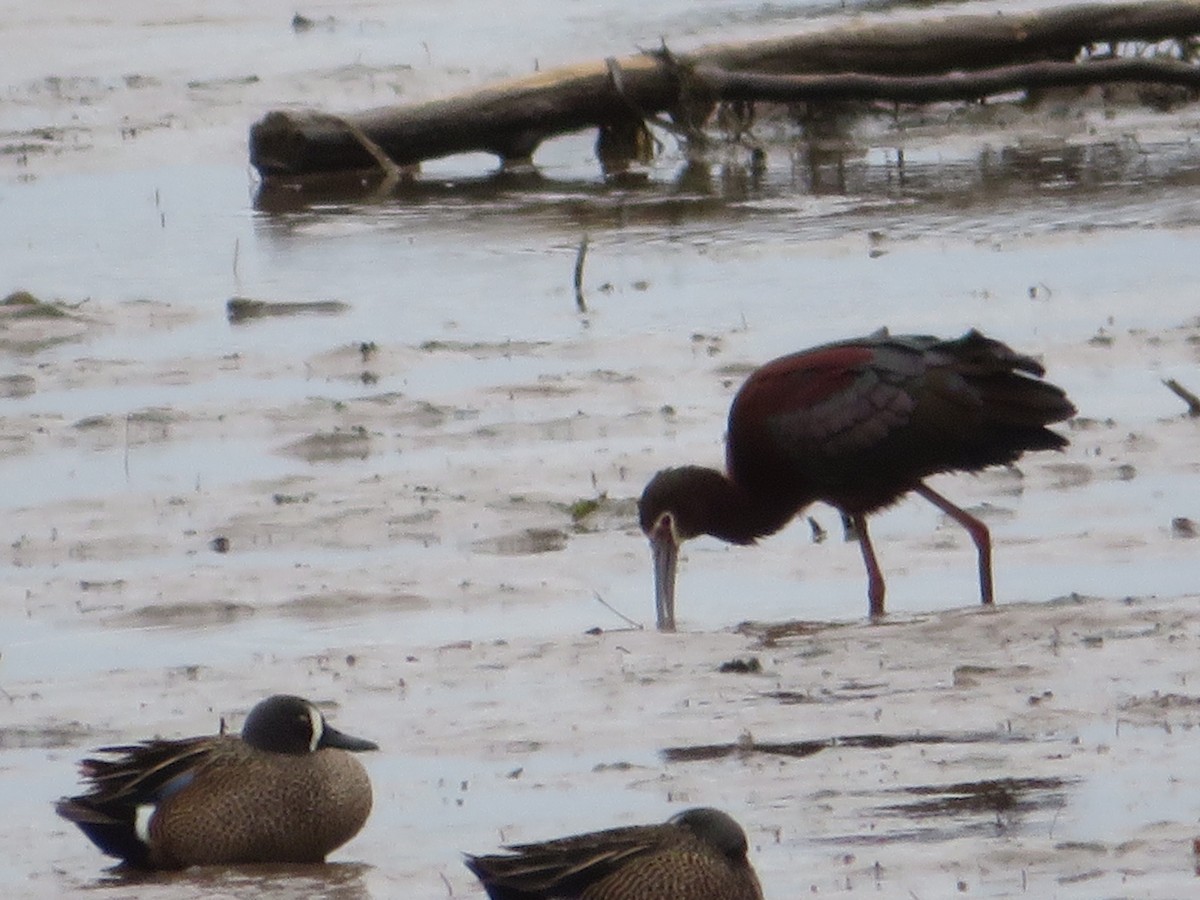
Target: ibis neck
(741,517)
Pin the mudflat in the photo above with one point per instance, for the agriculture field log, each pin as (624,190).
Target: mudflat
(405,486)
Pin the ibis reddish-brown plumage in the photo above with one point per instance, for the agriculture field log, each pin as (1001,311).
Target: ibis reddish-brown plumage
(857,424)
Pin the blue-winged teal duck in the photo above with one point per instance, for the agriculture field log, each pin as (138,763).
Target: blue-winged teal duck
(699,854)
(285,791)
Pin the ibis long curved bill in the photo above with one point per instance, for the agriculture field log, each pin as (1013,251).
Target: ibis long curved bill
(664,550)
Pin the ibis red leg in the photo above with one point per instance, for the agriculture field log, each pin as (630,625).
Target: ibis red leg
(875,586)
(979,534)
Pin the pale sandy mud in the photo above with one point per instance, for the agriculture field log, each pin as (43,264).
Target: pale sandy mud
(407,502)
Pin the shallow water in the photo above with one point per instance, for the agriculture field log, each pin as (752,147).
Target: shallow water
(398,518)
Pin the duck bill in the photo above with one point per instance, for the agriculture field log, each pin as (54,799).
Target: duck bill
(664,551)
(337,740)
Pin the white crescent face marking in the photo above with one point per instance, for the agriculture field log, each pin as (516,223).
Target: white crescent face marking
(318,728)
(141,822)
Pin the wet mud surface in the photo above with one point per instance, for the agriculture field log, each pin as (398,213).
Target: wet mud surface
(367,449)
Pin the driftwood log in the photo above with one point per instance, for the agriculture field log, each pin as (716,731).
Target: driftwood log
(958,57)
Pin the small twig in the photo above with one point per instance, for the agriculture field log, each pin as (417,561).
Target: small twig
(580,256)
(617,78)
(620,615)
(7,696)
(1192,401)
(128,416)
(689,92)
(392,172)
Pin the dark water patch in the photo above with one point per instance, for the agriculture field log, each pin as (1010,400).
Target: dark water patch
(1183,528)
(336,605)
(101,585)
(332,446)
(45,737)
(1161,708)
(14,445)
(1081,877)
(772,634)
(1000,795)
(791,698)
(847,691)
(24,305)
(527,542)
(29,324)
(242,309)
(89,423)
(186,615)
(602,513)
(13,386)
(961,810)
(972,675)
(417,413)
(1069,475)
(282,499)
(748,666)
(487,349)
(800,749)
(547,388)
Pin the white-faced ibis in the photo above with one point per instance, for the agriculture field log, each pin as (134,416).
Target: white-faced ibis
(857,424)
(700,854)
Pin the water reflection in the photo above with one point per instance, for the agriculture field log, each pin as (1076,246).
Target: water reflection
(739,183)
(329,881)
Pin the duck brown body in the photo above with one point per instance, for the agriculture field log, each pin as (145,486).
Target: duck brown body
(289,790)
(700,854)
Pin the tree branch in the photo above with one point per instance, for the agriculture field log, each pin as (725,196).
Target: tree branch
(957,57)
(731,86)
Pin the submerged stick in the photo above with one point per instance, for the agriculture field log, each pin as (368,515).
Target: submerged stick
(616,612)
(580,256)
(1192,401)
